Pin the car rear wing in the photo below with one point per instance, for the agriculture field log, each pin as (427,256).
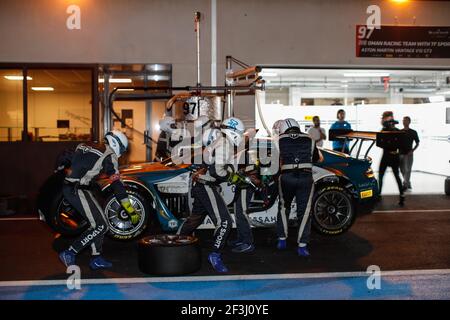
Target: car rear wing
(383,139)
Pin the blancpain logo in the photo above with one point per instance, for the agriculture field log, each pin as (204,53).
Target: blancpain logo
(223,229)
(92,235)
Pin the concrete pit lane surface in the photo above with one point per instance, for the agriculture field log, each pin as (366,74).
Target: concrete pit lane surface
(409,245)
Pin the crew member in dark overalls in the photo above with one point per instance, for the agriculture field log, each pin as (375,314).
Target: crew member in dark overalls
(298,152)
(88,161)
(391,156)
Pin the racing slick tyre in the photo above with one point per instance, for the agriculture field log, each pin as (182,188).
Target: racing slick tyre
(64,218)
(169,255)
(333,210)
(120,226)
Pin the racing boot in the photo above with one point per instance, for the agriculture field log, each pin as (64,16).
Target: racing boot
(216,261)
(243,248)
(303,252)
(281,245)
(98,262)
(401,202)
(234,243)
(67,257)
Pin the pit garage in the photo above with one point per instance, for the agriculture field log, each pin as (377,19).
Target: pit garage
(72,71)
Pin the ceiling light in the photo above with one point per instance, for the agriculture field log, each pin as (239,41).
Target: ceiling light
(17,78)
(366,74)
(445,92)
(42,89)
(268,74)
(125,89)
(116,80)
(158,78)
(435,99)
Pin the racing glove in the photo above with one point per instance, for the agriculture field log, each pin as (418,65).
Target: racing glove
(234,178)
(134,216)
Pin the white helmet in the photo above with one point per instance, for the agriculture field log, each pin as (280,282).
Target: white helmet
(210,136)
(276,127)
(118,141)
(287,124)
(167,124)
(234,129)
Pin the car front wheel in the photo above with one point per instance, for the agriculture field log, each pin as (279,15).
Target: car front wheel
(120,226)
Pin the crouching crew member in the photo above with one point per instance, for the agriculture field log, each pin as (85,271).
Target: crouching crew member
(87,163)
(205,190)
(297,154)
(391,156)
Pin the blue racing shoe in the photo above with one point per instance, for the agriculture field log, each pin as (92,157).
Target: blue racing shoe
(281,245)
(243,248)
(98,262)
(234,243)
(216,261)
(67,257)
(303,252)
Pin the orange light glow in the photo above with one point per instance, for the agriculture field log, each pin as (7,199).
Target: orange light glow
(400,1)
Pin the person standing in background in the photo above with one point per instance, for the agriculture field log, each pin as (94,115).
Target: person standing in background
(407,151)
(316,132)
(391,156)
(341,145)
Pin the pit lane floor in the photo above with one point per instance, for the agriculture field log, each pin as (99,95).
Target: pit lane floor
(410,245)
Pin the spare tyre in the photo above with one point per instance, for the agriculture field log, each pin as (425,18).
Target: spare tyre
(169,255)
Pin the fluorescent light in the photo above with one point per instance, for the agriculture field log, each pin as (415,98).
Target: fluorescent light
(42,89)
(17,78)
(125,89)
(158,78)
(366,74)
(436,99)
(445,92)
(116,80)
(268,74)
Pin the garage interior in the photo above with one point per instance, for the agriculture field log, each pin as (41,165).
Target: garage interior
(57,77)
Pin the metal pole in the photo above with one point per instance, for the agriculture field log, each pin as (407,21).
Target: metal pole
(197,33)
(229,94)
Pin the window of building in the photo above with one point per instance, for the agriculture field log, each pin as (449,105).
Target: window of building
(11,105)
(59,104)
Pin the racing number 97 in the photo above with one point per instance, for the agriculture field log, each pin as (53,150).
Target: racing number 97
(189,107)
(364,32)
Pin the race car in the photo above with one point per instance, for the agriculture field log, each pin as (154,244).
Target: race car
(160,191)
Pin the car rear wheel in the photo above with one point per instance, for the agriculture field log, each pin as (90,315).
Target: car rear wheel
(333,210)
(66,220)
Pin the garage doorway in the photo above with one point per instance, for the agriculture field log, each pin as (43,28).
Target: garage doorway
(128,106)
(423,95)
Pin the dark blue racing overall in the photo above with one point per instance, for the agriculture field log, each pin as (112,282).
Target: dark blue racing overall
(297,154)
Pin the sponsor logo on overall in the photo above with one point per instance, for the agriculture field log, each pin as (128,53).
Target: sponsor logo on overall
(222,230)
(92,235)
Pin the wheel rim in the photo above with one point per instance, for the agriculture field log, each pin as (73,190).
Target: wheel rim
(68,218)
(119,221)
(332,210)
